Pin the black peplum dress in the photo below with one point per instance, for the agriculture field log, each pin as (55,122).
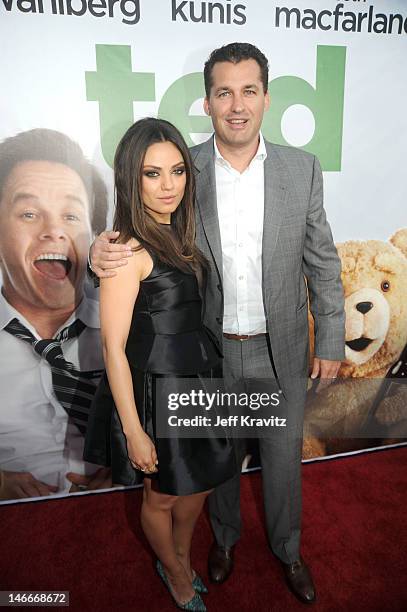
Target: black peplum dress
(166,337)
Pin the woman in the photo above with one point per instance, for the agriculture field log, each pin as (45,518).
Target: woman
(151,328)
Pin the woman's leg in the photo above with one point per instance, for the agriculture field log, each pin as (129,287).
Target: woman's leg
(156,521)
(185,513)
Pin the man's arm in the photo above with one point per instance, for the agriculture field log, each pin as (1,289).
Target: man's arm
(106,256)
(322,268)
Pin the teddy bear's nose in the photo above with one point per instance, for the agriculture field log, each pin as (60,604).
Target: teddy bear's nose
(364,307)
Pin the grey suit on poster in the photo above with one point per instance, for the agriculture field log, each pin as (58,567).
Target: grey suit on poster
(297,243)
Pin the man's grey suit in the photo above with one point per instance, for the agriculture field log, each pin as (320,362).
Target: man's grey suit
(297,245)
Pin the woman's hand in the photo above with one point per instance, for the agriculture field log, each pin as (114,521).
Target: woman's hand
(142,453)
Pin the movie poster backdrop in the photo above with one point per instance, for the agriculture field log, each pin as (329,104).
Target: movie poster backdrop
(76,74)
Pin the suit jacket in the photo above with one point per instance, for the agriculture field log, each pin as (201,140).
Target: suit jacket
(298,252)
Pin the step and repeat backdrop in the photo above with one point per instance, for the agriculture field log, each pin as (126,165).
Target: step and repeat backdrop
(75,74)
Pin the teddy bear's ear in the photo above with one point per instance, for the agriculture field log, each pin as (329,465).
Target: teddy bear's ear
(399,240)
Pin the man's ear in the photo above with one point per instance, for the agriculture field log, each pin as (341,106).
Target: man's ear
(206,106)
(267,101)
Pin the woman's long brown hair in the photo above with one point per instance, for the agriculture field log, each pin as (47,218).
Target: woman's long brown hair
(131,218)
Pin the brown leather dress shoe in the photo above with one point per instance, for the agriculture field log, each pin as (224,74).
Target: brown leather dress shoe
(299,580)
(220,563)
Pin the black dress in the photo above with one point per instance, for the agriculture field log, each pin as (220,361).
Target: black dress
(166,337)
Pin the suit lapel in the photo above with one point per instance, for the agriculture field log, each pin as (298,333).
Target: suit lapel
(206,200)
(275,195)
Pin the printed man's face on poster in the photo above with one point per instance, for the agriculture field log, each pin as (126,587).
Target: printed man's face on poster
(45,234)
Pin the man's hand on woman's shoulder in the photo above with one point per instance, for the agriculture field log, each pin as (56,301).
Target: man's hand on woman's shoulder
(105,256)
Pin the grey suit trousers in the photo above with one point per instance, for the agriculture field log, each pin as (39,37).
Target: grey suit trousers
(280,455)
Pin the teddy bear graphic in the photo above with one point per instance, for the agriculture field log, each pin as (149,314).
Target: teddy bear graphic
(367,405)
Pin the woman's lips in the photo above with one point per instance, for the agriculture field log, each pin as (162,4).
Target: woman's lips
(168,200)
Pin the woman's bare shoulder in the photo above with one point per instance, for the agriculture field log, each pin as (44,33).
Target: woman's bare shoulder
(141,258)
(133,243)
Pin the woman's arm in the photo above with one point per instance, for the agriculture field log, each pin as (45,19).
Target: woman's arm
(117,298)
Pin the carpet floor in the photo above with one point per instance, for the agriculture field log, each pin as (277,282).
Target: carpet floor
(354,539)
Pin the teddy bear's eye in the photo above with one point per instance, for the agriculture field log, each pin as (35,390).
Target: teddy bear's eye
(385,285)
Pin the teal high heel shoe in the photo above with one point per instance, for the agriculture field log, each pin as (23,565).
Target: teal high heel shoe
(195,604)
(198,583)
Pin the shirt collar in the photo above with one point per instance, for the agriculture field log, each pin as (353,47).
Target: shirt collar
(260,155)
(87,312)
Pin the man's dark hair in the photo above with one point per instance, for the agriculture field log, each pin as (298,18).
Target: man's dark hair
(48,145)
(235,53)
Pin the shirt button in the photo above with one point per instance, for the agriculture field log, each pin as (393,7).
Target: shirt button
(240,244)
(241,277)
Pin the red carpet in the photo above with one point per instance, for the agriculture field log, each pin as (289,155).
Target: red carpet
(354,538)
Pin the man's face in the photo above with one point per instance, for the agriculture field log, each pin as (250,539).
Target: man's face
(45,234)
(236,103)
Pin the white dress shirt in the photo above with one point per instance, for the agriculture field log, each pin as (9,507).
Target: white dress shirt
(240,202)
(36,434)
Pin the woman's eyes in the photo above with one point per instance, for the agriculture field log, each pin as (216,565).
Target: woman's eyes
(154,173)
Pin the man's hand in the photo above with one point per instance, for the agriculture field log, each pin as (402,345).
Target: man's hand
(17,485)
(101,479)
(326,370)
(105,256)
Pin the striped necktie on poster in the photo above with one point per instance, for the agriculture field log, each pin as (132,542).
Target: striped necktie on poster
(73,389)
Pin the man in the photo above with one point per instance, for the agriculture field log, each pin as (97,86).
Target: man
(51,204)
(261,224)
